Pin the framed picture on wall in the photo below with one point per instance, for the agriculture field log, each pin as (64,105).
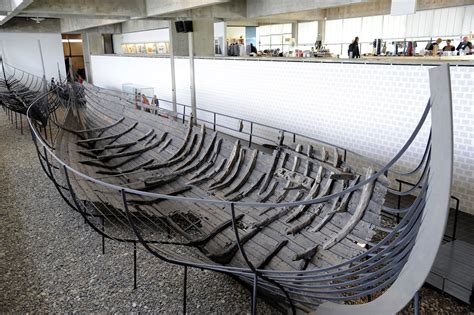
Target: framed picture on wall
(131,48)
(151,48)
(141,49)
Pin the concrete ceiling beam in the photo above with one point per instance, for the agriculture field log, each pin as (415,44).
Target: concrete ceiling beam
(87,8)
(163,7)
(262,8)
(26,25)
(70,25)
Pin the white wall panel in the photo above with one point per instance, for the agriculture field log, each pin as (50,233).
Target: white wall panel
(371,109)
(468,20)
(22,51)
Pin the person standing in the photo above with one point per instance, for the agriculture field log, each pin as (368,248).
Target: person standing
(354,51)
(464,46)
(448,46)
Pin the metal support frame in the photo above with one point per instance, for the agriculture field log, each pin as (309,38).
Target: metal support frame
(173,71)
(416,303)
(192,80)
(397,254)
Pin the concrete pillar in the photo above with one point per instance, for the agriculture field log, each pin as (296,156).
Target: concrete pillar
(203,44)
(294,31)
(203,34)
(321,30)
(180,41)
(92,44)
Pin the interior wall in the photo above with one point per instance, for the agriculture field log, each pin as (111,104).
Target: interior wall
(370,109)
(21,50)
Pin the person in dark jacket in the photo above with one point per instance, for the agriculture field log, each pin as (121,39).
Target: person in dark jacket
(354,48)
(253,49)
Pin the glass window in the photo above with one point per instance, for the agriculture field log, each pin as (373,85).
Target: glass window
(307,33)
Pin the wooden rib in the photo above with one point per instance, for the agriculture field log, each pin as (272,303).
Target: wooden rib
(324,154)
(249,190)
(225,256)
(248,171)
(212,174)
(109,157)
(218,229)
(266,182)
(281,212)
(156,181)
(302,210)
(187,151)
(90,152)
(311,195)
(183,154)
(210,163)
(92,129)
(272,254)
(309,219)
(115,166)
(232,175)
(358,213)
(234,156)
(198,151)
(151,139)
(336,158)
(269,192)
(205,156)
(133,169)
(114,136)
(174,192)
(309,153)
(185,142)
(306,257)
(341,208)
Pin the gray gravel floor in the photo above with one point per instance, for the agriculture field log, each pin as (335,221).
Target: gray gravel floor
(50,261)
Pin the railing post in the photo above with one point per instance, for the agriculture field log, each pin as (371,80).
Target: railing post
(185,284)
(399,201)
(184,114)
(251,133)
(214,123)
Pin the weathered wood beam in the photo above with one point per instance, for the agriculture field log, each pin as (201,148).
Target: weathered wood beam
(358,213)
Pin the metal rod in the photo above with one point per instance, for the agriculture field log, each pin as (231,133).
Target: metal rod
(185,284)
(192,78)
(16,121)
(251,134)
(214,123)
(184,114)
(134,265)
(416,303)
(21,124)
(254,294)
(399,201)
(456,211)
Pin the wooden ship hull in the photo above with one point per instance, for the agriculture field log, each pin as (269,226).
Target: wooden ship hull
(294,213)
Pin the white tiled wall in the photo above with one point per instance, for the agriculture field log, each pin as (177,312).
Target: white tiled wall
(371,109)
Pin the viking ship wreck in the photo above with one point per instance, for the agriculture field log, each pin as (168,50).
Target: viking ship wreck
(298,219)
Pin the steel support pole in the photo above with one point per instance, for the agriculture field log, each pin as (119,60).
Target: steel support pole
(173,71)
(416,303)
(192,79)
(135,265)
(185,284)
